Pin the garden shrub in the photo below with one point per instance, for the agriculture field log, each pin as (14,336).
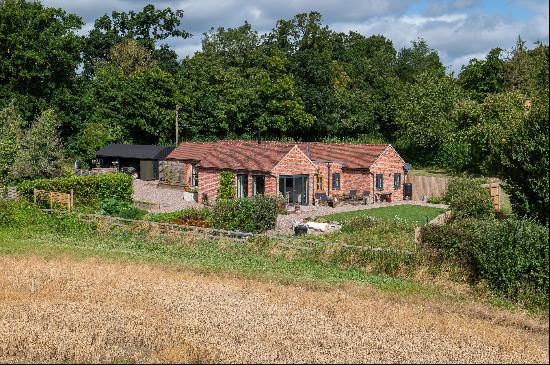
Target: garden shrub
(468,199)
(511,255)
(257,214)
(122,209)
(226,190)
(23,214)
(435,200)
(197,213)
(88,190)
(19,213)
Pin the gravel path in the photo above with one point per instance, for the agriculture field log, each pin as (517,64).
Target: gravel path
(285,222)
(63,310)
(166,199)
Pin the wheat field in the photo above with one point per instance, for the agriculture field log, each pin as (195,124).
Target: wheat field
(76,310)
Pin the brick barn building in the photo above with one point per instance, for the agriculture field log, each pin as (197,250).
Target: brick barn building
(300,171)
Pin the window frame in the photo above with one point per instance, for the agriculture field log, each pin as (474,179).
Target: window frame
(380,186)
(336,184)
(319,182)
(244,187)
(396,184)
(194,175)
(255,184)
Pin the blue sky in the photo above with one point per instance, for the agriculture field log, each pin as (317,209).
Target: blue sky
(458,29)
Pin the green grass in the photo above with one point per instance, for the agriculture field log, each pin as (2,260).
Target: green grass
(428,171)
(411,213)
(203,255)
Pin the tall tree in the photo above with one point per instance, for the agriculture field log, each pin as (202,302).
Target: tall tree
(39,53)
(40,153)
(10,138)
(417,59)
(146,27)
(423,116)
(483,77)
(309,45)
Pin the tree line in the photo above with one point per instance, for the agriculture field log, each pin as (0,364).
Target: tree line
(300,81)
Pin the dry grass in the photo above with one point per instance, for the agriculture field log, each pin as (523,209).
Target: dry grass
(66,310)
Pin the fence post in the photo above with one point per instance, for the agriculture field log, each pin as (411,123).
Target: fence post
(34,195)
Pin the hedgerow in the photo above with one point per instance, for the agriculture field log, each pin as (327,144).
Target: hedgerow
(88,190)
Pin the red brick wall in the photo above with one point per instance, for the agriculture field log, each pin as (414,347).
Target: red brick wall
(389,163)
(209,181)
(360,180)
(327,180)
(295,163)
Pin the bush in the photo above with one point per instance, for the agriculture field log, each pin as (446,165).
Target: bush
(88,190)
(121,209)
(19,213)
(468,199)
(435,200)
(510,255)
(198,213)
(257,214)
(23,214)
(226,189)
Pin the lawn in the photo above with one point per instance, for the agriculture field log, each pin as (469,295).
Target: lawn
(416,214)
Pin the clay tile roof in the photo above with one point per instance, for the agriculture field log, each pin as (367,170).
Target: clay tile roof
(251,156)
(353,156)
(246,155)
(194,151)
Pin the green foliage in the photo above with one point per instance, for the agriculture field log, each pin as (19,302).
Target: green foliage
(420,58)
(21,214)
(88,190)
(257,214)
(423,116)
(483,77)
(40,152)
(200,213)
(147,27)
(39,54)
(112,206)
(435,200)
(226,190)
(10,139)
(468,199)
(510,255)
(18,213)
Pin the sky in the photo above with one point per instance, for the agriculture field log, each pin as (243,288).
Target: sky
(458,29)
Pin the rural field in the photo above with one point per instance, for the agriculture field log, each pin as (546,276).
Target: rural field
(72,308)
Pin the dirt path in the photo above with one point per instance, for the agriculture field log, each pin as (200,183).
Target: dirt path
(88,311)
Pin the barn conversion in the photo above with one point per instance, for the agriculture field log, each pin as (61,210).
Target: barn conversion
(301,172)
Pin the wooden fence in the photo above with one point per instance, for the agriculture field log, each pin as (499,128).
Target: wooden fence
(54,198)
(423,186)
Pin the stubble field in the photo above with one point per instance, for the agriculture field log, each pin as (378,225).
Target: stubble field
(86,310)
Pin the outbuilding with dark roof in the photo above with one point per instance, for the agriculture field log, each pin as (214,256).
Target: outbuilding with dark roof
(143,158)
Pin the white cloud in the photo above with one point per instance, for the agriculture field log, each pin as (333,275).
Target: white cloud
(450,27)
